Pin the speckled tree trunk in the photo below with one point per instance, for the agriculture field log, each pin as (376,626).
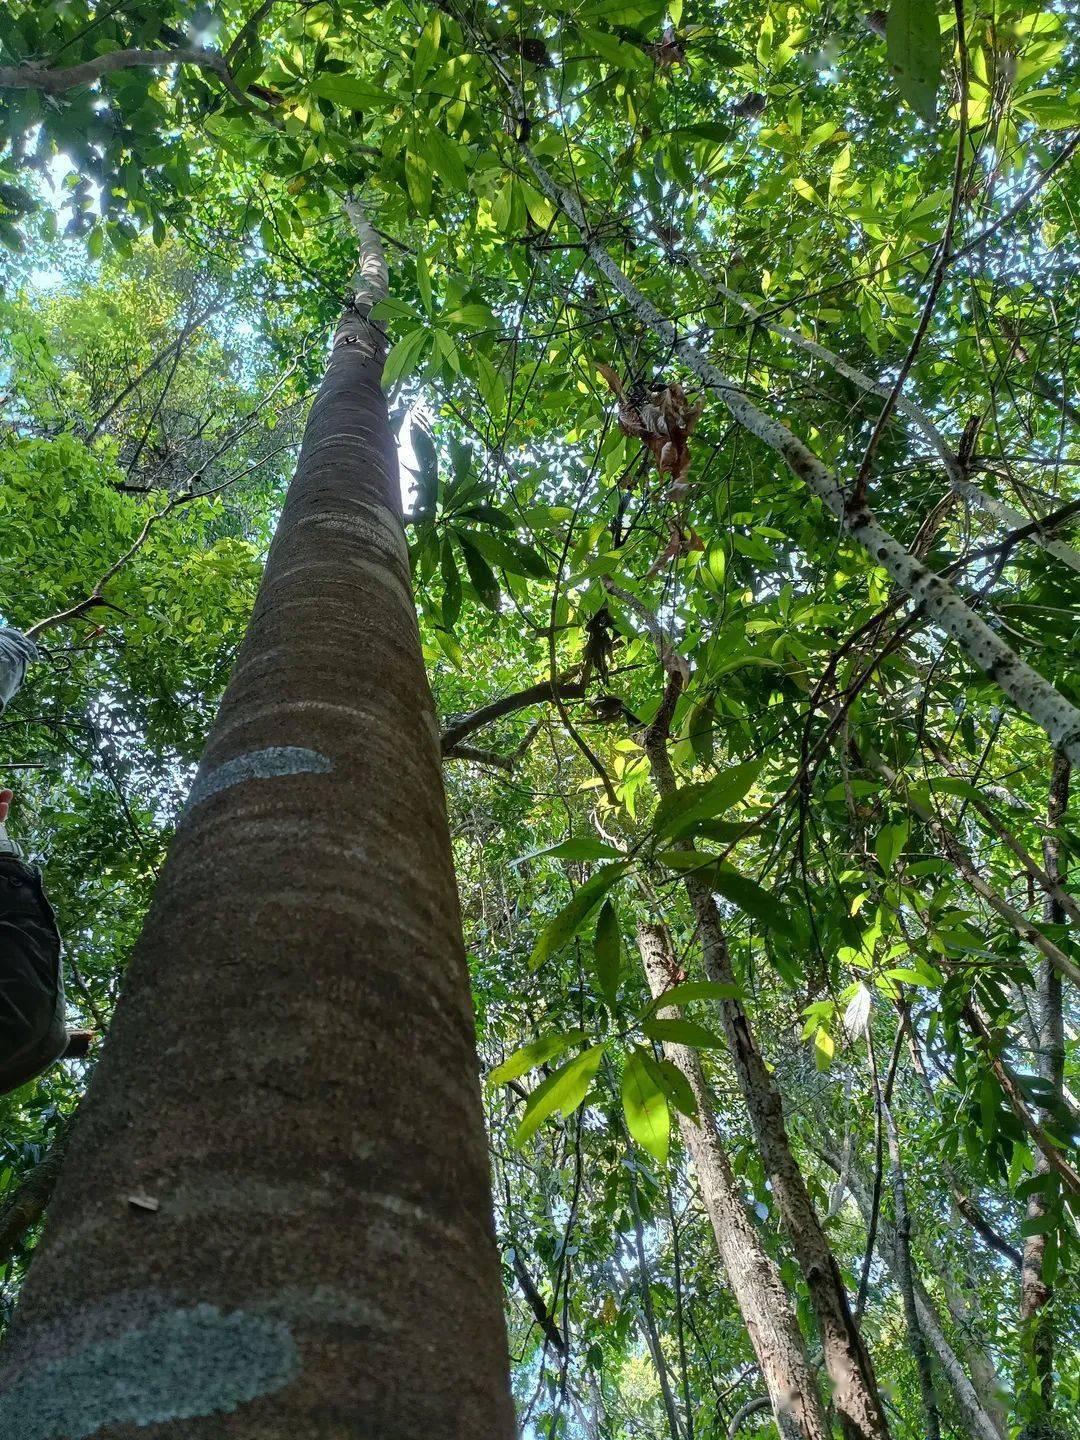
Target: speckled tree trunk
(754,1278)
(1036,1290)
(274,1220)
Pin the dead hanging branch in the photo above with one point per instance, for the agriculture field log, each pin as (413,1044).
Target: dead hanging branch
(663,418)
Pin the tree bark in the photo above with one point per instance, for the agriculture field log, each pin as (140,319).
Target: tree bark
(906,1272)
(648,1315)
(965,1311)
(1037,1329)
(755,1281)
(278,1223)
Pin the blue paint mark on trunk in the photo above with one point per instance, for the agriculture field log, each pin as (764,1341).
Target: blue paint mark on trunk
(180,1365)
(271,764)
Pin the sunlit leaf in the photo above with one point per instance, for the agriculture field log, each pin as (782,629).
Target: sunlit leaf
(563,1092)
(646,1108)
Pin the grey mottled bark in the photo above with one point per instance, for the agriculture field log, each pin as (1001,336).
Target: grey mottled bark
(1015,519)
(1036,1291)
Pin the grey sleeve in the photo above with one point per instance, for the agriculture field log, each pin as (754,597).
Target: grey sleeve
(16,652)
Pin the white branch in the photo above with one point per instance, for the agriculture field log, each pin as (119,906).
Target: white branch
(372,279)
(971,492)
(1028,690)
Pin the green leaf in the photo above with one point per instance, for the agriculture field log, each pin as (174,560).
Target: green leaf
(480,573)
(824,1049)
(963,789)
(615,52)
(427,47)
(423,281)
(647,1115)
(913,45)
(691,990)
(681,1032)
(449,646)
(677,812)
(907,977)
(889,844)
(404,357)
(510,555)
(490,515)
(676,1087)
(750,898)
(451,599)
(562,928)
(564,1091)
(533,1054)
(351,92)
(427,472)
(724,880)
(473,316)
(608,952)
(448,160)
(418,179)
(490,384)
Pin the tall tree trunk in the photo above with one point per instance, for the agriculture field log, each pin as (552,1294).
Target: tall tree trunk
(1037,1350)
(755,1281)
(855,1391)
(274,1220)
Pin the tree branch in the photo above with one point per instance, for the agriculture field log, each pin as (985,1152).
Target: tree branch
(1021,526)
(54,82)
(537,694)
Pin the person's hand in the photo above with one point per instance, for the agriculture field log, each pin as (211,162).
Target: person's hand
(6,797)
